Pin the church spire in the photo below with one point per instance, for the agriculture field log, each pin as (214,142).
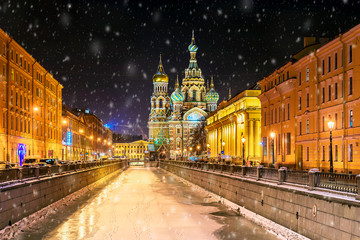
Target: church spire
(160,67)
(177,82)
(193,37)
(229,93)
(212,82)
(207,86)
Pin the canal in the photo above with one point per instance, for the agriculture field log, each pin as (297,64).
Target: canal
(144,203)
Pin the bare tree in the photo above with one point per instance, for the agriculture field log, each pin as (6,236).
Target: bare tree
(199,137)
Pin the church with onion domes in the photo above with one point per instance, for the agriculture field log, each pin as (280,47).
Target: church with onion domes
(174,118)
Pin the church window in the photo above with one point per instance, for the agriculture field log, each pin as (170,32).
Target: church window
(160,103)
(194,95)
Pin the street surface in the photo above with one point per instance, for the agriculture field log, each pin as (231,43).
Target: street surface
(145,204)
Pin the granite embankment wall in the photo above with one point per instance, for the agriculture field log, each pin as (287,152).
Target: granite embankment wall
(22,199)
(314,214)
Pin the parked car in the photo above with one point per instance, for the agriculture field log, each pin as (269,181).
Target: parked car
(31,161)
(63,162)
(7,165)
(49,161)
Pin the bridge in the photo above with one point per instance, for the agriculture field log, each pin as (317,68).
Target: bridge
(127,199)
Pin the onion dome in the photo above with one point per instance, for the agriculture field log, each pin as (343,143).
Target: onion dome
(160,75)
(177,96)
(212,95)
(192,47)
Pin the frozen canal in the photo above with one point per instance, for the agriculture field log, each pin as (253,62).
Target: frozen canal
(145,204)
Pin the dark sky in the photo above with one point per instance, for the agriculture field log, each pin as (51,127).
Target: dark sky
(105,53)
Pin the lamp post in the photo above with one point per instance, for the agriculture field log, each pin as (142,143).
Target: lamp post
(198,150)
(223,149)
(208,151)
(331,126)
(272,135)
(243,152)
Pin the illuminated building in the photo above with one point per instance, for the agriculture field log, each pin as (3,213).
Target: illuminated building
(235,128)
(320,84)
(133,150)
(84,136)
(172,120)
(31,102)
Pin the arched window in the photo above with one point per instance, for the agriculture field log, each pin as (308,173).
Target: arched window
(194,95)
(160,103)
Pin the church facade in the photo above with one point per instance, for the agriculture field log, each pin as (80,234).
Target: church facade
(174,118)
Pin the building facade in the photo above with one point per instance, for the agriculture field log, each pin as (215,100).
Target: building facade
(174,118)
(133,150)
(31,102)
(320,85)
(84,136)
(235,129)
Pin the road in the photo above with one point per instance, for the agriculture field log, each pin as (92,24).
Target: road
(145,204)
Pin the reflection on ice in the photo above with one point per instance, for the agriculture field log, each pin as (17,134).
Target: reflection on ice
(143,204)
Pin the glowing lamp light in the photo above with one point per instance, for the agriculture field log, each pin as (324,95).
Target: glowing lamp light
(208,145)
(331,125)
(243,140)
(36,108)
(261,143)
(81,131)
(104,140)
(190,148)
(99,139)
(223,143)
(64,122)
(272,135)
(198,147)
(91,137)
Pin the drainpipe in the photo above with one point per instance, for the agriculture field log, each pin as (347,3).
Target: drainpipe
(344,63)
(45,132)
(8,157)
(32,107)
(318,110)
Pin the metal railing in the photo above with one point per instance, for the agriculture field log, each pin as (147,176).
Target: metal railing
(8,176)
(349,183)
(339,182)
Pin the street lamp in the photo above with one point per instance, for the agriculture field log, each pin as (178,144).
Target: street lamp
(272,135)
(331,126)
(243,141)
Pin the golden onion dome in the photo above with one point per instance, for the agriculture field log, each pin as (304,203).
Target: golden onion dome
(160,76)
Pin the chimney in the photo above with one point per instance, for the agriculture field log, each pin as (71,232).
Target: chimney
(309,41)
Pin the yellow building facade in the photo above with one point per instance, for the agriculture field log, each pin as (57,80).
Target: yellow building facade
(133,150)
(321,84)
(85,136)
(30,102)
(235,121)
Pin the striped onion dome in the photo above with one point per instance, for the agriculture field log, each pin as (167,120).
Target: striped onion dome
(177,96)
(212,96)
(192,48)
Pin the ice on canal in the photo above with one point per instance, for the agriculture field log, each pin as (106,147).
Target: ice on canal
(145,203)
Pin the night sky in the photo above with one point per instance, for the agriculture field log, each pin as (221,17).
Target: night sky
(105,53)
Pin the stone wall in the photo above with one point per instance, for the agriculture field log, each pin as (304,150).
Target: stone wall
(314,214)
(22,199)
